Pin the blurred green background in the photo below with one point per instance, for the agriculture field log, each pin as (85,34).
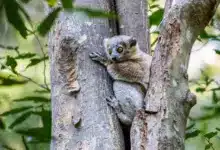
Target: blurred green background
(25,112)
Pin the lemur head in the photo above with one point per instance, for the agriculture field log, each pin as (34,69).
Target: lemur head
(120,48)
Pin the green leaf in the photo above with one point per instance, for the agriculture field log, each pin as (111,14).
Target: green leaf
(215,89)
(25,143)
(154,6)
(25,55)
(210,135)
(192,133)
(7,147)
(36,61)
(24,13)
(47,23)
(200,89)
(211,107)
(25,1)
(46,118)
(40,133)
(2,124)
(218,129)
(156,17)
(217,51)
(208,146)
(35,99)
(10,61)
(190,126)
(214,98)
(11,80)
(51,3)
(42,91)
(14,17)
(67,3)
(20,119)
(8,47)
(16,110)
(95,12)
(205,35)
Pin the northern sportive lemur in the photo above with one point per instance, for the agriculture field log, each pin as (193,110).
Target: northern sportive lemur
(130,69)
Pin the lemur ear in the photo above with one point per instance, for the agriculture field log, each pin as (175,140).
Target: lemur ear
(105,43)
(132,42)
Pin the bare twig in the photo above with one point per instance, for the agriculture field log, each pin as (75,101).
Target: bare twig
(154,42)
(44,55)
(203,45)
(209,143)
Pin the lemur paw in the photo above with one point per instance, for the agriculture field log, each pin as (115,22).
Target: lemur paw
(97,56)
(112,101)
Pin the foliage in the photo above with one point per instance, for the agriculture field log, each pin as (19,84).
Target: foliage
(210,111)
(44,27)
(28,105)
(17,15)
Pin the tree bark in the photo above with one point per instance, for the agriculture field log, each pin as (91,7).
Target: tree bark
(133,21)
(168,99)
(167,7)
(81,120)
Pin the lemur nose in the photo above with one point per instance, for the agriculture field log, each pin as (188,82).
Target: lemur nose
(114,58)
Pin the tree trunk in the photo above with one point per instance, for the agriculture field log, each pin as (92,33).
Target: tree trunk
(168,99)
(81,120)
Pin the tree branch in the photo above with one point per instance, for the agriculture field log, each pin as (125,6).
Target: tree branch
(43,53)
(168,99)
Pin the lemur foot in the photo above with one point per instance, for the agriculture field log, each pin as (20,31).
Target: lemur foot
(112,101)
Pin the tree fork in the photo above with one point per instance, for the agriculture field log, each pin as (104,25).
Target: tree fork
(168,99)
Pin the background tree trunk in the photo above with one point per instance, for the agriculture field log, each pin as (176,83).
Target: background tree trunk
(168,97)
(134,22)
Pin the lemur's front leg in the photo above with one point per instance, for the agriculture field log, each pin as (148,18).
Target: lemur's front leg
(97,56)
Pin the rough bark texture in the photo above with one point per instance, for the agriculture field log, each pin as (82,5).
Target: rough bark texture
(133,21)
(81,120)
(167,7)
(168,95)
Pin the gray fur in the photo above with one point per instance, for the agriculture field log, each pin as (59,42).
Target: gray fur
(130,70)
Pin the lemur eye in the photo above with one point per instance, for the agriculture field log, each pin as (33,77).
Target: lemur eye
(110,51)
(119,49)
